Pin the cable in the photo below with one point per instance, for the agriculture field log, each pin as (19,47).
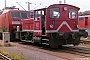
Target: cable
(20,5)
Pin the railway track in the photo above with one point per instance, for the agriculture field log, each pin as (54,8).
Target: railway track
(85,40)
(82,51)
(63,52)
(3,57)
(77,50)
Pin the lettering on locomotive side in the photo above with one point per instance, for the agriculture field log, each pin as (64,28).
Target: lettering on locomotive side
(16,22)
(37,25)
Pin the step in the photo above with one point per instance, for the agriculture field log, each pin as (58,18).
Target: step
(43,35)
(45,39)
(45,43)
(23,40)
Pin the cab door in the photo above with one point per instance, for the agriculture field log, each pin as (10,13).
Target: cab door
(37,23)
(43,20)
(86,22)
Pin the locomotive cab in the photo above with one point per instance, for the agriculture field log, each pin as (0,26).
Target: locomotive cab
(62,24)
(16,18)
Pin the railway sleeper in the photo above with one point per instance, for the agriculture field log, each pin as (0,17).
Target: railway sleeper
(85,42)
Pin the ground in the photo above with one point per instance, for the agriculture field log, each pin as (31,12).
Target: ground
(29,54)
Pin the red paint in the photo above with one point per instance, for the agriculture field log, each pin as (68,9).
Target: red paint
(84,22)
(6,20)
(36,25)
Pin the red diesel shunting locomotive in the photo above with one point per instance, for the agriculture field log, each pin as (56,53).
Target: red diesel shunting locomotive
(53,26)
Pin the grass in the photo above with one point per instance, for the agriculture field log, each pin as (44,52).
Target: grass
(8,45)
(13,56)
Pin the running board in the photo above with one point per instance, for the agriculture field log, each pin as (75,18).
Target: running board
(45,43)
(45,39)
(43,35)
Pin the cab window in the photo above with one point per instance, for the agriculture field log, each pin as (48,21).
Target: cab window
(73,14)
(54,13)
(81,18)
(37,15)
(23,15)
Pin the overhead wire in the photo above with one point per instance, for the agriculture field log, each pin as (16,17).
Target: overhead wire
(39,4)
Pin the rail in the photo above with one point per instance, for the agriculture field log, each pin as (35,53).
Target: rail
(4,57)
(82,51)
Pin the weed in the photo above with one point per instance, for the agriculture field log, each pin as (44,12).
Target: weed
(13,56)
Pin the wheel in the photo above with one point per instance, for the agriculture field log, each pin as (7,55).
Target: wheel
(53,46)
(85,34)
(53,43)
(60,46)
(76,41)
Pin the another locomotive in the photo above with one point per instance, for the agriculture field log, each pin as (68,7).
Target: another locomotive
(84,25)
(10,19)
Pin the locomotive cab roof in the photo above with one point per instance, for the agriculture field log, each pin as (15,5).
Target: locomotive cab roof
(63,5)
(59,5)
(7,10)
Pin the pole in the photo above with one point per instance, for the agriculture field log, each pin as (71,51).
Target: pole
(28,5)
(5,4)
(64,1)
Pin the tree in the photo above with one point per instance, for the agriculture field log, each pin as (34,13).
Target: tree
(84,13)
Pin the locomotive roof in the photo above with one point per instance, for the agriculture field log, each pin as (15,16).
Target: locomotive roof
(40,9)
(58,4)
(84,16)
(7,10)
(65,5)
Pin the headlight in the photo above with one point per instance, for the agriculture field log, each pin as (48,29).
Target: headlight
(86,30)
(14,27)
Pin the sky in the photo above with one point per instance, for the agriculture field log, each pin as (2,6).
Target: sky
(36,4)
